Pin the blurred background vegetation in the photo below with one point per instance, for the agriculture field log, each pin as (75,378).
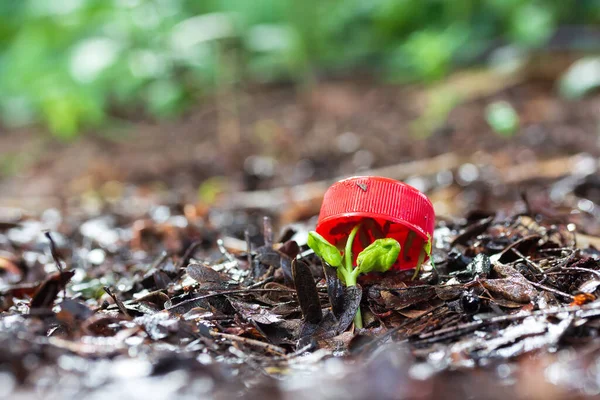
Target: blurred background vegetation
(71,65)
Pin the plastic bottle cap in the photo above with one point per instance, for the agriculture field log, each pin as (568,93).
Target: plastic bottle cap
(393,208)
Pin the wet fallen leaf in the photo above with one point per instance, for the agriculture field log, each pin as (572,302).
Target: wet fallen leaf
(255,312)
(306,290)
(207,277)
(511,289)
(46,293)
(335,290)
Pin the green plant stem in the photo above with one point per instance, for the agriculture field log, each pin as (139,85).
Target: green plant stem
(351,278)
(422,255)
(358,323)
(350,273)
(348,250)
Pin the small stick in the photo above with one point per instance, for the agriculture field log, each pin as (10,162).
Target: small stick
(187,255)
(159,261)
(581,270)
(56,259)
(218,318)
(118,302)
(556,250)
(471,326)
(257,343)
(259,284)
(248,247)
(226,292)
(54,252)
(562,263)
(268,231)
(551,290)
(527,260)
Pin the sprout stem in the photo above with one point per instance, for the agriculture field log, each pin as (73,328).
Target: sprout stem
(422,255)
(358,323)
(350,273)
(348,249)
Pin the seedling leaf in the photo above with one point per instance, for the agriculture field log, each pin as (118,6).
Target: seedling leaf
(324,249)
(379,256)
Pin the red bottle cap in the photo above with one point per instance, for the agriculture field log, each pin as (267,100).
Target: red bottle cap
(396,208)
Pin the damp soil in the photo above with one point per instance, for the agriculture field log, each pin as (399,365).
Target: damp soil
(116,279)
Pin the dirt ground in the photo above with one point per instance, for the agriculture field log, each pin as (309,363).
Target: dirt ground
(136,295)
(279,135)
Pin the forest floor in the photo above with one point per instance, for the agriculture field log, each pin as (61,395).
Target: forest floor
(163,277)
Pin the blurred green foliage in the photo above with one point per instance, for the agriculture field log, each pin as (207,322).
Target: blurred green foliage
(71,64)
(502,118)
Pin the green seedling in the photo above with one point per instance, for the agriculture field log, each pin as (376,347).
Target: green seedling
(379,256)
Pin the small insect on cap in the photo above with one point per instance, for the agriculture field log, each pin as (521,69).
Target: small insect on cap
(386,208)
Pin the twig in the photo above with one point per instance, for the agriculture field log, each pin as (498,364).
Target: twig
(159,261)
(471,326)
(218,318)
(257,343)
(562,263)
(268,231)
(226,292)
(582,270)
(552,290)
(187,255)
(527,260)
(248,248)
(556,249)
(54,252)
(259,284)
(56,258)
(118,302)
